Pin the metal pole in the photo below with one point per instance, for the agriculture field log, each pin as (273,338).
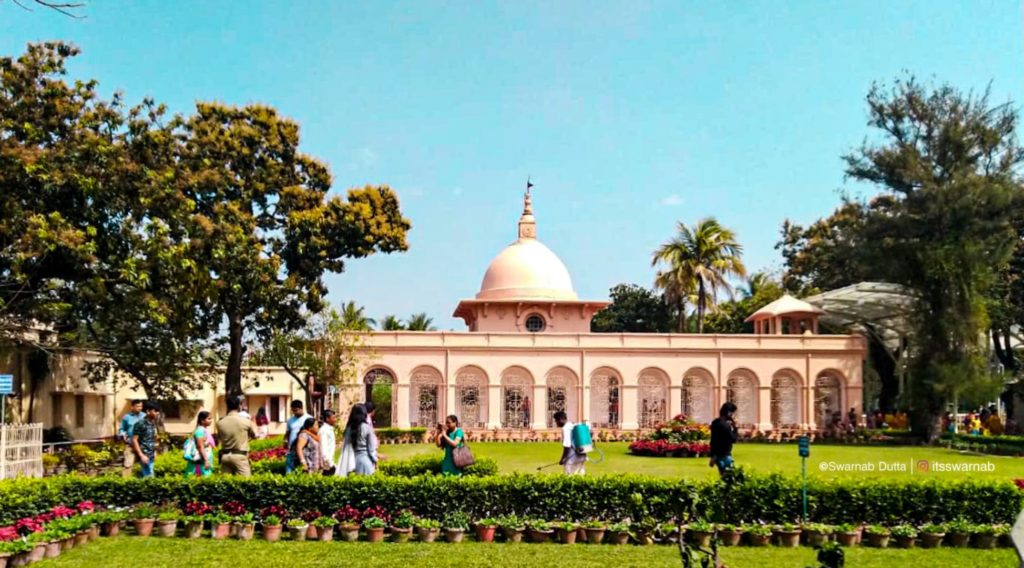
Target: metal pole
(803,468)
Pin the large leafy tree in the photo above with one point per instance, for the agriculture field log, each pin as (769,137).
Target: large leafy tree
(702,258)
(949,165)
(759,290)
(634,309)
(268,226)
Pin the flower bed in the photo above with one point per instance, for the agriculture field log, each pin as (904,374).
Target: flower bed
(677,438)
(664,448)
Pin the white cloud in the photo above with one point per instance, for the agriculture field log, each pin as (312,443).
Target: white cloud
(672,200)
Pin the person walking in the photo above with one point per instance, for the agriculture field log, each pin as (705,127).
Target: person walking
(449,438)
(359,436)
(235,432)
(723,436)
(573,459)
(144,438)
(199,447)
(294,426)
(328,445)
(305,452)
(124,433)
(262,424)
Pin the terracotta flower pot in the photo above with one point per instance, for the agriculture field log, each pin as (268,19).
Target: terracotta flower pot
(904,541)
(846,538)
(620,537)
(453,535)
(313,533)
(220,531)
(814,538)
(326,534)
(166,528)
(193,529)
(244,531)
(93,531)
(110,529)
(644,538)
(348,533)
(298,533)
(52,549)
(958,539)
(878,540)
(18,560)
(758,539)
(581,535)
(375,535)
(540,536)
(81,538)
(932,540)
(485,534)
(271,533)
(984,541)
(730,538)
(566,536)
(37,553)
(143,527)
(595,536)
(400,535)
(702,539)
(788,539)
(426,534)
(67,544)
(512,534)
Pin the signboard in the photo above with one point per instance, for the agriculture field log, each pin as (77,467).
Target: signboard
(6,384)
(805,447)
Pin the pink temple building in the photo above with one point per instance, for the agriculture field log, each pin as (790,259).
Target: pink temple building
(529,352)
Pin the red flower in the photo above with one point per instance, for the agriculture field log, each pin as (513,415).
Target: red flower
(27,526)
(8,533)
(197,509)
(62,512)
(1020,483)
(276,510)
(310,516)
(233,508)
(378,512)
(85,507)
(348,514)
(278,453)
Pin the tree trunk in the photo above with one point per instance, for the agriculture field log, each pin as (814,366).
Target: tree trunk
(233,376)
(1003,349)
(701,303)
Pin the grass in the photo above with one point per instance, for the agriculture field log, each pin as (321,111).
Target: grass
(172,553)
(782,458)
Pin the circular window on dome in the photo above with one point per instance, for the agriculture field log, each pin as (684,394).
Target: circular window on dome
(535,323)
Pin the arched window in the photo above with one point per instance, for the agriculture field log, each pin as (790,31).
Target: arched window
(516,385)
(698,396)
(424,398)
(828,390)
(785,401)
(605,388)
(380,389)
(561,389)
(471,397)
(652,400)
(742,391)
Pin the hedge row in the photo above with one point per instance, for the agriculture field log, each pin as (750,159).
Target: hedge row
(172,464)
(771,498)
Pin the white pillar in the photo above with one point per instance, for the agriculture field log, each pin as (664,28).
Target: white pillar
(539,416)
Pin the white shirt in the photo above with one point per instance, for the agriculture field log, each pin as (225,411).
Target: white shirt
(567,434)
(295,426)
(327,445)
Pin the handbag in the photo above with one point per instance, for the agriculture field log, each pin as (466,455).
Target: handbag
(462,457)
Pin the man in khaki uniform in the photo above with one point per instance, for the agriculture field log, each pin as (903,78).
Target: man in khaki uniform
(234,432)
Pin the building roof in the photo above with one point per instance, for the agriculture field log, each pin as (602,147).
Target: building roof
(879,304)
(785,305)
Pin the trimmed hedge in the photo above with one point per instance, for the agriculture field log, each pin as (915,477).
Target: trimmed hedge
(771,498)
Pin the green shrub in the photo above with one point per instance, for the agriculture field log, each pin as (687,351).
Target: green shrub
(414,435)
(420,465)
(772,499)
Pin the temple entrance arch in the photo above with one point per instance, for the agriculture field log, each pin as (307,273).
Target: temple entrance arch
(379,387)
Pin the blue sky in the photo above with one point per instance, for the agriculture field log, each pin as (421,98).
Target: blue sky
(628,116)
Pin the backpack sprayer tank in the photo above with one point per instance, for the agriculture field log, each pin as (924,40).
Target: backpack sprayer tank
(581,438)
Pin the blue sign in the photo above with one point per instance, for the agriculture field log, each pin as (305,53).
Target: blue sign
(6,384)
(805,446)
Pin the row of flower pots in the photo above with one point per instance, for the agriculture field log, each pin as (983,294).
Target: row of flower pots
(48,535)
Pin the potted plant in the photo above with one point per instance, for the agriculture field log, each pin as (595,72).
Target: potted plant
(787,535)
(1003,535)
(620,532)
(905,535)
(668,532)
(195,515)
(485,529)
(36,540)
(730,534)
(540,531)
(816,533)
(348,523)
(18,551)
(245,526)
(167,523)
(878,536)
(297,529)
(566,532)
(427,529)
(699,533)
(143,518)
(512,528)
(110,522)
(455,524)
(595,531)
(984,536)
(932,535)
(401,526)
(324,528)
(645,530)
(758,534)
(309,516)
(846,534)
(271,528)
(959,532)
(374,529)
(220,526)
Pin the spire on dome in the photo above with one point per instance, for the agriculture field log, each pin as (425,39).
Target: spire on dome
(527,224)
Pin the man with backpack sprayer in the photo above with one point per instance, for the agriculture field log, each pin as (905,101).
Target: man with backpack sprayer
(575,444)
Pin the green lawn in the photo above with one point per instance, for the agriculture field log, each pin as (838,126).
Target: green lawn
(527,456)
(176,553)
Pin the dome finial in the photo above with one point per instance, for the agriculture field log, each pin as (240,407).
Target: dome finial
(527,224)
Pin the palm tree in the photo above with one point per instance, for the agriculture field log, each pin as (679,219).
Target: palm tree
(391,323)
(708,254)
(679,291)
(755,283)
(420,322)
(354,318)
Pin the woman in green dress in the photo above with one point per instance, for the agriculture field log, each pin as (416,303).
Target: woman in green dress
(449,438)
(199,448)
